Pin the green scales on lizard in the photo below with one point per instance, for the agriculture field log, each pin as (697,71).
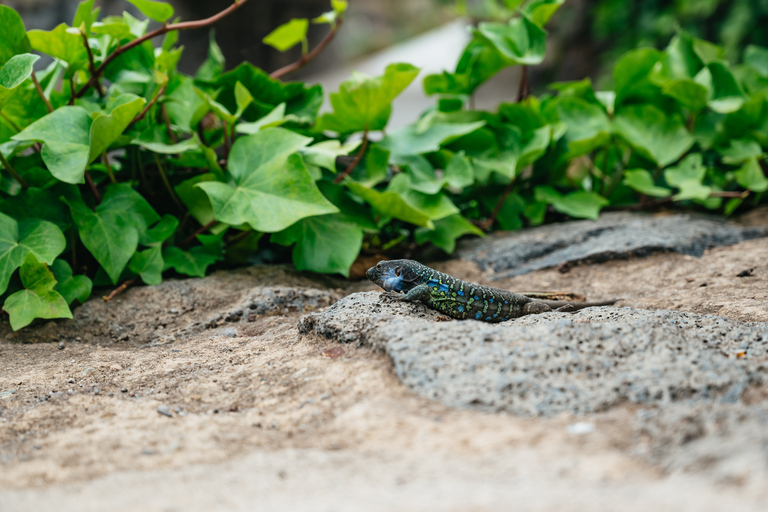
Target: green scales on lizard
(460,299)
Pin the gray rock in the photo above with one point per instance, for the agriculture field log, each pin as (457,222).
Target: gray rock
(613,236)
(164,410)
(542,365)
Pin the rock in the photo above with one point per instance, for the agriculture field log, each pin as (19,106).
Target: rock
(164,410)
(613,236)
(542,365)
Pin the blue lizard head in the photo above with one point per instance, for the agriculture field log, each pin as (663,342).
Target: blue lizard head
(395,275)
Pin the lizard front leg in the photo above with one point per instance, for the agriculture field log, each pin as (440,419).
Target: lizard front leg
(420,293)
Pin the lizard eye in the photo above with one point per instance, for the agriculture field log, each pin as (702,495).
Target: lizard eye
(397,271)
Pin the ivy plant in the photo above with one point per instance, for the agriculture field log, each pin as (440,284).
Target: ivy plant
(117,168)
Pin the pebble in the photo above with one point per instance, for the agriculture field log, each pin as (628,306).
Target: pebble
(580,428)
(164,410)
(78,339)
(174,311)
(123,390)
(62,346)
(95,391)
(70,381)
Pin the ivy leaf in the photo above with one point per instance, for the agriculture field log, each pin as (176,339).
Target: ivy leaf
(13,74)
(36,203)
(148,264)
(727,95)
(195,199)
(751,176)
(588,127)
(85,16)
(652,133)
(323,154)
(63,44)
(632,74)
(425,136)
(275,118)
(13,35)
(687,92)
(72,139)
(18,239)
(214,63)
(38,298)
(540,11)
(70,287)
(585,205)
(521,41)
(458,175)
(446,232)
(365,102)
(740,150)
(326,243)
(272,187)
(756,57)
(642,181)
(190,144)
(688,176)
(111,232)
(288,35)
(194,262)
(160,232)
(158,11)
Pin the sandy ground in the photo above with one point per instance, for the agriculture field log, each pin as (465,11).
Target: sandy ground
(253,416)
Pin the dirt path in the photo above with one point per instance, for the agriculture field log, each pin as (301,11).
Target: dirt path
(226,412)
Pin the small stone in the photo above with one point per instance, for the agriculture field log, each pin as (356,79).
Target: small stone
(70,381)
(123,390)
(95,391)
(164,410)
(174,311)
(131,394)
(78,339)
(580,428)
(62,346)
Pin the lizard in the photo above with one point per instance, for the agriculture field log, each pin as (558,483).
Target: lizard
(460,299)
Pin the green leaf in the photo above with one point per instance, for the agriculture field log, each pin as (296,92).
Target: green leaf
(364,102)
(751,176)
(756,57)
(458,175)
(326,243)
(631,74)
(727,95)
(642,181)
(13,35)
(323,154)
(70,287)
(195,199)
(13,74)
(274,118)
(38,299)
(36,203)
(585,205)
(148,264)
(652,133)
(425,136)
(85,16)
(160,232)
(111,232)
(688,176)
(588,127)
(687,92)
(72,139)
(740,150)
(521,41)
(190,144)
(540,11)
(158,11)
(272,187)
(194,262)
(214,63)
(288,35)
(62,44)
(18,239)
(446,232)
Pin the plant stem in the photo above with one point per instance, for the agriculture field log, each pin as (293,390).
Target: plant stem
(168,183)
(149,105)
(111,174)
(351,167)
(488,223)
(186,25)
(40,91)
(307,57)
(12,171)
(91,65)
(71,90)
(238,237)
(523,90)
(200,231)
(118,290)
(91,184)
(167,121)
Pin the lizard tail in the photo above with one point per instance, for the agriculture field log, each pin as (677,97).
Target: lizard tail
(575,306)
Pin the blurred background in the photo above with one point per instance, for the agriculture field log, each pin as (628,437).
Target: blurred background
(587,36)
